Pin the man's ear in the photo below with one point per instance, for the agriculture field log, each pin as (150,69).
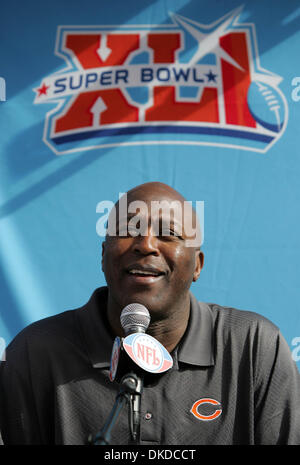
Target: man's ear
(199,262)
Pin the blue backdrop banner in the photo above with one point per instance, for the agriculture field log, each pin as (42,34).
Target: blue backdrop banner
(99,97)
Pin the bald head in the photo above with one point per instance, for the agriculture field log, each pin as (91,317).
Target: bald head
(158,204)
(156,190)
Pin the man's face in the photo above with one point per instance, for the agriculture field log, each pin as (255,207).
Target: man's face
(153,269)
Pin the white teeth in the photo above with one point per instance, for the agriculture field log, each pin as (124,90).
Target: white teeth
(143,273)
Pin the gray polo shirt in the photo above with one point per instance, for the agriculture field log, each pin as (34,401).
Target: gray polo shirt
(233,382)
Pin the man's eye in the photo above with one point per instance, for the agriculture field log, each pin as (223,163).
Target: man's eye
(133,231)
(168,232)
(122,231)
(127,231)
(171,233)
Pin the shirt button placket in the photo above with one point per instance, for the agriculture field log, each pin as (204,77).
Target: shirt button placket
(150,427)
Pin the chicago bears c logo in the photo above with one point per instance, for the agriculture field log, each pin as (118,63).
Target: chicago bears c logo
(196,409)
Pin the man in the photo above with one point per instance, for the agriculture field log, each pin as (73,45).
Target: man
(233,380)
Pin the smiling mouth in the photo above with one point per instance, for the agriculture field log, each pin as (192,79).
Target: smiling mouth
(145,275)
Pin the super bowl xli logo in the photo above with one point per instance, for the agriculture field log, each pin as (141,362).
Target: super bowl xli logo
(178,83)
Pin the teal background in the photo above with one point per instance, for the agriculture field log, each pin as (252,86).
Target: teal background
(50,253)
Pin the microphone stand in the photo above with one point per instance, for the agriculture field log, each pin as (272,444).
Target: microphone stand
(131,387)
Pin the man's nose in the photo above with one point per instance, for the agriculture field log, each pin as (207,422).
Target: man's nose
(146,244)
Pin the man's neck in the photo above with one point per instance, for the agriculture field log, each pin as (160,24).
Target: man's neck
(168,329)
(167,334)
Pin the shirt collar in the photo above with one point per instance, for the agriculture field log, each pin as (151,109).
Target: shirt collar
(92,321)
(197,344)
(196,347)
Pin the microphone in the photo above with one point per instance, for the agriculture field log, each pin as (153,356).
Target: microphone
(131,358)
(134,356)
(138,351)
(135,318)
